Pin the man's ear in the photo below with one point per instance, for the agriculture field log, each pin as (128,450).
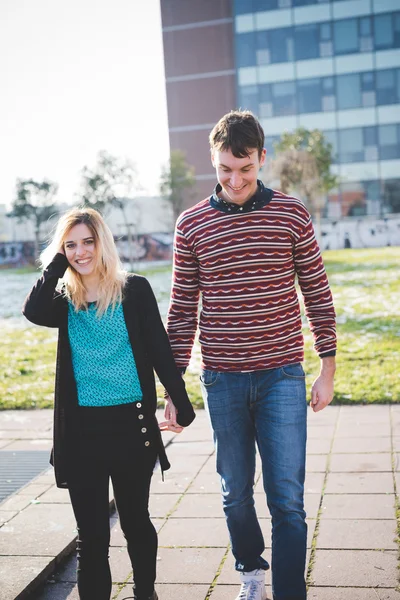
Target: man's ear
(212,160)
(263,155)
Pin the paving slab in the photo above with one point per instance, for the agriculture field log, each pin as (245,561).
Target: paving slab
(316,463)
(32,445)
(355,444)
(205,483)
(45,530)
(396,441)
(200,505)
(318,446)
(355,568)
(34,490)
(362,463)
(172,592)
(19,573)
(360,483)
(313,483)
(15,502)
(362,430)
(174,483)
(7,515)
(354,506)
(188,565)
(160,505)
(324,432)
(351,593)
(63,591)
(192,447)
(357,534)
(194,532)
(367,413)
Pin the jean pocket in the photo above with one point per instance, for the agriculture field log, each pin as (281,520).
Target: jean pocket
(294,371)
(209,378)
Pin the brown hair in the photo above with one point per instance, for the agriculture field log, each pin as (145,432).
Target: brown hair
(238,131)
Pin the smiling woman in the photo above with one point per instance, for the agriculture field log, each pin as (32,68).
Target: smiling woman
(111,339)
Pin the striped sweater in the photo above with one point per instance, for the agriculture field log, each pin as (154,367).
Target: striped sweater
(244,265)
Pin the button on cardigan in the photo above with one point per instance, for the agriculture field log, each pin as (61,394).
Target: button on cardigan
(150,346)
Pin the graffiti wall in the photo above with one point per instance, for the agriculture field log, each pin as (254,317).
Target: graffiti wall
(364,232)
(146,247)
(16,254)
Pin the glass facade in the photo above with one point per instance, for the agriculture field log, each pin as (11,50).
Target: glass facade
(347,68)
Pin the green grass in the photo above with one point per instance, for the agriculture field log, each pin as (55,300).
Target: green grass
(366,289)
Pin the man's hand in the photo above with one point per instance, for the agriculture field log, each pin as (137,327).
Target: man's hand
(170,413)
(322,388)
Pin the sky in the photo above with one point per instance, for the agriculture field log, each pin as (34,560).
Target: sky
(77,77)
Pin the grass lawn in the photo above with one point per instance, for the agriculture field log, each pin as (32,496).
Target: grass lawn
(366,288)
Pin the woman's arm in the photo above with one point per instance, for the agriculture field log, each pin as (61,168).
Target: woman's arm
(42,305)
(159,348)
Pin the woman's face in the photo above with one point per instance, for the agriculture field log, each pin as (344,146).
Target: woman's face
(80,249)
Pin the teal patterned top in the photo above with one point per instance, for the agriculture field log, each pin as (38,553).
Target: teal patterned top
(104,365)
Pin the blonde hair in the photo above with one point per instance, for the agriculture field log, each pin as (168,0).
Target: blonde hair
(112,276)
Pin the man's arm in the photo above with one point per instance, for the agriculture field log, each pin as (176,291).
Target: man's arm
(182,317)
(319,310)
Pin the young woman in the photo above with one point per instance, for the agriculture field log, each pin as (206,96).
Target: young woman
(111,337)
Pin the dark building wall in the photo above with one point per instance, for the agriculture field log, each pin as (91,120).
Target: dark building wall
(200,78)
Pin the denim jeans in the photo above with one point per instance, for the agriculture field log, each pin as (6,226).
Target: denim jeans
(267,408)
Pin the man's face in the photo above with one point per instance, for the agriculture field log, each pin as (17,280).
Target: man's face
(237,176)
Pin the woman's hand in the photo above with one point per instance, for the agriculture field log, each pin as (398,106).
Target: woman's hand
(170,426)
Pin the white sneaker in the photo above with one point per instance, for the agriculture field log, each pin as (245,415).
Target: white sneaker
(253,585)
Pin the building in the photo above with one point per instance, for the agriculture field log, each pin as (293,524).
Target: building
(332,65)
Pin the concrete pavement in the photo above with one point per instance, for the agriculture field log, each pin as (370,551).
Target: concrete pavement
(353,472)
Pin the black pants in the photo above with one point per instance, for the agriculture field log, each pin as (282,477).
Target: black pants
(130,465)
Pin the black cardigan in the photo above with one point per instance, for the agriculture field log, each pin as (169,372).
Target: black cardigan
(150,347)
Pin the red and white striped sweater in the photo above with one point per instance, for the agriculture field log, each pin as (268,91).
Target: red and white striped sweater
(244,265)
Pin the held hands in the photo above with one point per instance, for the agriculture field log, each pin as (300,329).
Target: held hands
(170,413)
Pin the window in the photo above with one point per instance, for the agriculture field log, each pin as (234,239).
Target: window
(384,34)
(389,141)
(345,36)
(306,41)
(284,98)
(368,97)
(246,49)
(309,95)
(331,137)
(265,99)
(386,89)
(248,98)
(263,52)
(391,195)
(351,145)
(365,32)
(370,144)
(280,43)
(348,91)
(265,5)
(242,7)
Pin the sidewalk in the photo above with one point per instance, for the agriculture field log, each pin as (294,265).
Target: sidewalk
(352,468)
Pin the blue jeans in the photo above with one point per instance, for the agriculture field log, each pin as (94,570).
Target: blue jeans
(267,408)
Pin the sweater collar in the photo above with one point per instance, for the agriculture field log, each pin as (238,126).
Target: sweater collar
(261,198)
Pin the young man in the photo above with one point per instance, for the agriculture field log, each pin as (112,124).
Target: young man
(242,249)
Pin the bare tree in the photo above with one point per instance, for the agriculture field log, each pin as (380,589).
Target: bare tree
(302,163)
(177,181)
(34,202)
(112,182)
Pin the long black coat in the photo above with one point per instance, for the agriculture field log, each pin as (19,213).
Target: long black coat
(150,346)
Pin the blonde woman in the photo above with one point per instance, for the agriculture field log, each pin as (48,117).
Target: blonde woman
(111,337)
